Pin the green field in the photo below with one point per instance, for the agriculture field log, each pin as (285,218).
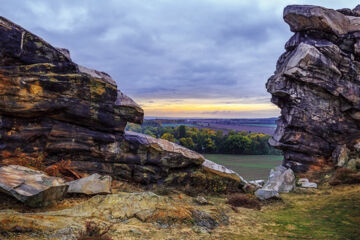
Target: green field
(250,167)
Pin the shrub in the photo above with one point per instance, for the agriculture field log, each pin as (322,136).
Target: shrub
(94,232)
(243,200)
(345,176)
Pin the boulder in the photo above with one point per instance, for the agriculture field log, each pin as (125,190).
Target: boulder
(304,183)
(33,188)
(93,184)
(281,180)
(316,85)
(306,17)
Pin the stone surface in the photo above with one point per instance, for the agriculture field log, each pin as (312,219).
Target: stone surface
(353,164)
(34,188)
(340,155)
(304,182)
(201,200)
(281,180)
(317,86)
(258,183)
(93,184)
(140,208)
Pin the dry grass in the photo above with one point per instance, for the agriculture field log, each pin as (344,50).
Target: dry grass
(243,200)
(94,232)
(345,176)
(63,169)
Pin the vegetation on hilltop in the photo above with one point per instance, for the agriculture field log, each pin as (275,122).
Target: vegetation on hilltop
(210,141)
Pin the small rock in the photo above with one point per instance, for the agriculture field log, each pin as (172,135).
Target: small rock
(32,187)
(93,184)
(304,183)
(135,231)
(309,185)
(257,183)
(353,164)
(340,155)
(264,194)
(200,230)
(357,146)
(201,200)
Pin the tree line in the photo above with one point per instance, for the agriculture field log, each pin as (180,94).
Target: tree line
(210,141)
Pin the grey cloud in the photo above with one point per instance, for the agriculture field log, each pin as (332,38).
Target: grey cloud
(157,49)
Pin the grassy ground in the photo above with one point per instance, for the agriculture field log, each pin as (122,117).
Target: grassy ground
(328,213)
(250,167)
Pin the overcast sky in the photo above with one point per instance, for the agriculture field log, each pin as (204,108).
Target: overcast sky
(199,58)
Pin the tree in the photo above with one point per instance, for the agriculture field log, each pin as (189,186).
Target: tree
(187,142)
(168,136)
(181,131)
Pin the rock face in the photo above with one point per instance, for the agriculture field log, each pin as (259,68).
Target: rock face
(34,188)
(52,109)
(317,86)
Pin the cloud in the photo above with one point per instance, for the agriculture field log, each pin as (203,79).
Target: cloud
(161,49)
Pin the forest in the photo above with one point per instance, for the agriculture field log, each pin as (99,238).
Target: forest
(210,141)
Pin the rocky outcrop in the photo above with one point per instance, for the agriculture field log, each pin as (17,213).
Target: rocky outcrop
(53,110)
(144,210)
(34,188)
(317,86)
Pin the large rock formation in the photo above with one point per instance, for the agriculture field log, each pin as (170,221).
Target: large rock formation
(52,109)
(317,86)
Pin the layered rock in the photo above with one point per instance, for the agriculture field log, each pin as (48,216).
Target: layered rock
(317,86)
(34,188)
(52,109)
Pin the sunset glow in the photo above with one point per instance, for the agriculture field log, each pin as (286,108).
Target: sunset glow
(207,109)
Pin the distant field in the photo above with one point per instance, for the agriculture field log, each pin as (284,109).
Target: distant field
(177,124)
(251,167)
(254,128)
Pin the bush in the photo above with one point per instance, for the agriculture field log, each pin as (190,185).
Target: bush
(243,200)
(94,232)
(345,176)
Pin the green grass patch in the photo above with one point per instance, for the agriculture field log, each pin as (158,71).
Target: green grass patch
(333,215)
(250,167)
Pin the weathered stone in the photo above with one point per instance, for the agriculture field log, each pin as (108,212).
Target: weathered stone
(258,183)
(281,180)
(93,184)
(353,164)
(201,200)
(340,155)
(34,188)
(317,86)
(307,17)
(144,207)
(304,182)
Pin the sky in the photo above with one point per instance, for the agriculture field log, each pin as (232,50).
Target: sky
(188,58)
